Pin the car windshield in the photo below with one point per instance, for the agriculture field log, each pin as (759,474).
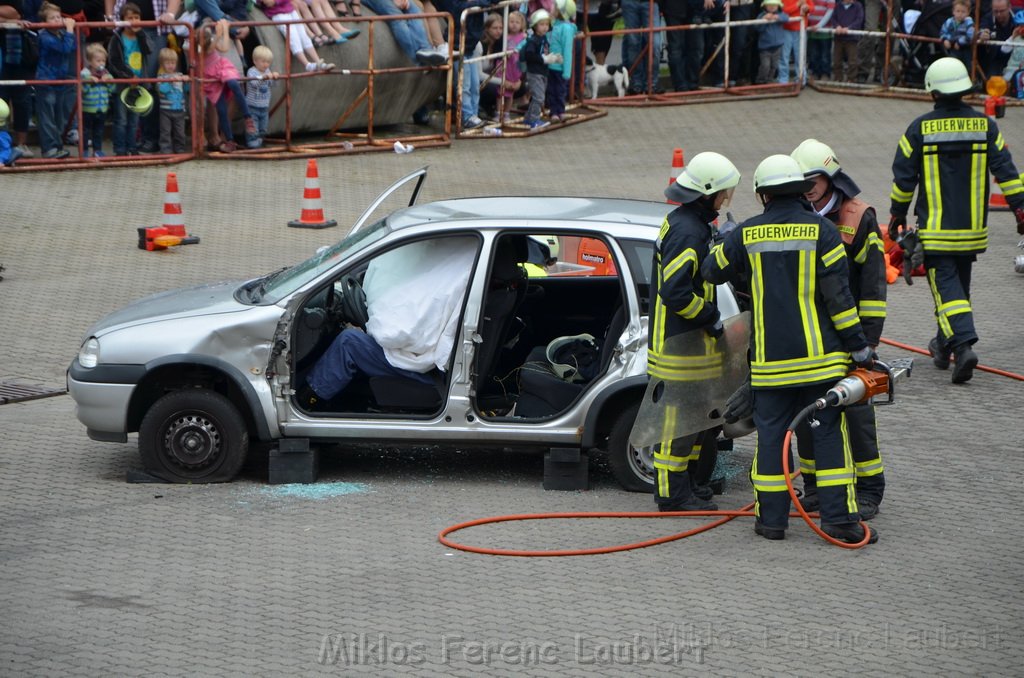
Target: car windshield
(277,285)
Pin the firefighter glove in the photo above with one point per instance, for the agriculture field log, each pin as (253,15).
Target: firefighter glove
(864,357)
(715,330)
(740,404)
(1019,213)
(913,255)
(896,225)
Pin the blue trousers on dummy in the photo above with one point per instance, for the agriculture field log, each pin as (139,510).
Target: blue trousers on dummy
(353,353)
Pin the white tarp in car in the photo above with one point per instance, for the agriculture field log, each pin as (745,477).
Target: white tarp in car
(414,296)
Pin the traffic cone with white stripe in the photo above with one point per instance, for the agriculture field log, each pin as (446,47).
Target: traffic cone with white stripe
(174,222)
(312,211)
(677,167)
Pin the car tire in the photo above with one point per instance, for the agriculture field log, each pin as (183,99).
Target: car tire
(193,436)
(631,467)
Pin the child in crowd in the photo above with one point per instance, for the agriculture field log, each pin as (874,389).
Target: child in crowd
(172,90)
(536,54)
(1014,72)
(819,44)
(561,39)
(9,153)
(328,30)
(257,88)
(96,93)
(299,41)
(57,46)
(504,81)
(958,32)
(220,80)
(848,15)
(128,50)
(769,42)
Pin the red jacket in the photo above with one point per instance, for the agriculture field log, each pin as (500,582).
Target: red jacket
(792,9)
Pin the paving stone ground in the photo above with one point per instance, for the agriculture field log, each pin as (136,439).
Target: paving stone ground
(100,577)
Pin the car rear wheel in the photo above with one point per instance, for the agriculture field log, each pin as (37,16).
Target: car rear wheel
(193,436)
(632,467)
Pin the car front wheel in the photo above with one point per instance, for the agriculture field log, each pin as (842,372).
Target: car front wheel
(193,436)
(633,467)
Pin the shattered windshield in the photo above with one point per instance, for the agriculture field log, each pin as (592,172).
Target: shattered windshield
(275,286)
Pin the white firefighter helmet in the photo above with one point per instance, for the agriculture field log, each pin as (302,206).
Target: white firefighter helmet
(538,16)
(780,175)
(948,76)
(707,174)
(815,157)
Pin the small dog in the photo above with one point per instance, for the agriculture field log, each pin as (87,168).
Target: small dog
(598,75)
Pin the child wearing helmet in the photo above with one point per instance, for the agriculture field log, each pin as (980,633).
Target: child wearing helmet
(535,52)
(9,154)
(53,102)
(562,39)
(769,41)
(128,51)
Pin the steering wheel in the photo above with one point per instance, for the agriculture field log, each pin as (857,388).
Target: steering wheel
(348,301)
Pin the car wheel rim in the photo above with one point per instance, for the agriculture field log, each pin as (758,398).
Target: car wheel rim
(641,462)
(192,441)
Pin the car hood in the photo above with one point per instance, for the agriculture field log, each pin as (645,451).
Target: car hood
(207,299)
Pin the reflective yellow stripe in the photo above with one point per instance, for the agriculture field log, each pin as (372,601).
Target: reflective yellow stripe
(871,241)
(835,255)
(851,491)
(775,379)
(673,266)
(720,259)
(942,320)
(871,308)
(979,184)
(1000,143)
(757,305)
(1012,187)
(932,191)
(692,309)
(899,195)
(805,296)
(806,465)
(866,469)
(905,146)
(772,483)
(955,307)
(847,318)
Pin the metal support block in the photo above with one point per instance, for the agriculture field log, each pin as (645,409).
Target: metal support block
(293,461)
(566,468)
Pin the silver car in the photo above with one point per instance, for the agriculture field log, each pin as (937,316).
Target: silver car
(200,373)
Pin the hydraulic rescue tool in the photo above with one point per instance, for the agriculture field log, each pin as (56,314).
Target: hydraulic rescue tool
(161,237)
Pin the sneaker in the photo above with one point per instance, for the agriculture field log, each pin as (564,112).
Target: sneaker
(253,141)
(325,65)
(867,509)
(14,157)
(772,533)
(310,67)
(149,147)
(472,122)
(429,56)
(71,137)
(966,360)
(539,124)
(55,154)
(443,50)
(851,533)
(87,154)
(25,151)
(99,154)
(421,116)
(940,356)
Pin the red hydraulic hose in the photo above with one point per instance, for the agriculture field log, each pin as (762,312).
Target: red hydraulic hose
(924,351)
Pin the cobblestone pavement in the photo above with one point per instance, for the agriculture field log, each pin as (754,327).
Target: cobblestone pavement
(100,577)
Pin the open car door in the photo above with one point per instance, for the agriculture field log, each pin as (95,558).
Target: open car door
(418,176)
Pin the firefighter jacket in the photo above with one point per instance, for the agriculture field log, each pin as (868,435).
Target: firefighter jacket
(865,257)
(948,154)
(681,300)
(804,322)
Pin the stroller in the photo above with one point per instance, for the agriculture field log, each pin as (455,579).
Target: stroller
(911,58)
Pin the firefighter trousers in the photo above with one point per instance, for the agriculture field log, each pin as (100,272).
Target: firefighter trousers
(949,277)
(673,457)
(774,409)
(862,433)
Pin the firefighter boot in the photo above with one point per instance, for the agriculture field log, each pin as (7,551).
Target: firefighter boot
(868,509)
(851,533)
(940,354)
(681,497)
(772,533)
(966,361)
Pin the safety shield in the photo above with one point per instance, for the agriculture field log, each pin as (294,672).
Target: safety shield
(689,395)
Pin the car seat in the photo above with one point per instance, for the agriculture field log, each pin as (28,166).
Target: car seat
(542,392)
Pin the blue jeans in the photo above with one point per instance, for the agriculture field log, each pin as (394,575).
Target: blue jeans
(353,353)
(635,15)
(151,123)
(221,9)
(558,89)
(819,57)
(790,48)
(410,35)
(470,91)
(261,116)
(222,108)
(53,106)
(126,127)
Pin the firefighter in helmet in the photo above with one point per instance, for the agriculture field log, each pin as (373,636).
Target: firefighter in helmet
(805,332)
(833,196)
(947,154)
(683,302)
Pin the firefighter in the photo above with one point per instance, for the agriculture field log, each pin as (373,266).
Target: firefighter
(833,196)
(804,328)
(682,302)
(947,154)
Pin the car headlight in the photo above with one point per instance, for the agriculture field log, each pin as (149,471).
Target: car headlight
(89,354)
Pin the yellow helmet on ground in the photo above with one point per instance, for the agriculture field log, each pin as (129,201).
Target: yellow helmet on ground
(780,175)
(707,174)
(947,76)
(137,99)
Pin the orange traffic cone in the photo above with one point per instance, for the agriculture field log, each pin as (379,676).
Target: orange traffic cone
(173,220)
(312,211)
(996,199)
(677,167)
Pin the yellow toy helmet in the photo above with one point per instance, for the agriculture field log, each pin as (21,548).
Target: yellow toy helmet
(947,76)
(780,175)
(566,9)
(5,112)
(707,174)
(137,99)
(538,16)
